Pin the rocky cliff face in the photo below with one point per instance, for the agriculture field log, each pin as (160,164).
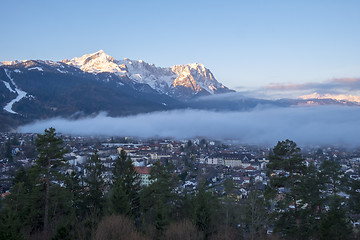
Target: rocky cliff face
(181,81)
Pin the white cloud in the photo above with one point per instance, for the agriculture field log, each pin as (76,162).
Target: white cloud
(304,125)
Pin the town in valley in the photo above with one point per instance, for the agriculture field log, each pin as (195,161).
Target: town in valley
(196,163)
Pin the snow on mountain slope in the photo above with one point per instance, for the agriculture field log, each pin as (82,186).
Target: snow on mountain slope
(11,62)
(157,78)
(192,76)
(21,94)
(7,85)
(179,81)
(196,77)
(339,97)
(96,63)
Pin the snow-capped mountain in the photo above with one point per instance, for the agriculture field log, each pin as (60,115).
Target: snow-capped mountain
(181,81)
(338,97)
(85,86)
(93,83)
(36,89)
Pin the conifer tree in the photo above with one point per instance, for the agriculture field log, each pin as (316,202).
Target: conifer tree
(205,206)
(94,186)
(12,216)
(124,195)
(333,177)
(51,157)
(334,222)
(355,196)
(285,170)
(158,200)
(37,198)
(94,181)
(8,151)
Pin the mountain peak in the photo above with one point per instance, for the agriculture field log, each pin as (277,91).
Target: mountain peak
(338,97)
(196,65)
(12,62)
(99,54)
(194,76)
(102,54)
(95,63)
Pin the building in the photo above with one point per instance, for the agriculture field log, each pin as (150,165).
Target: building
(144,173)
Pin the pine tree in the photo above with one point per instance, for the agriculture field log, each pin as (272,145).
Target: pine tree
(159,200)
(8,151)
(354,200)
(24,207)
(285,170)
(13,214)
(335,224)
(204,212)
(124,195)
(95,183)
(333,176)
(312,201)
(50,159)
(119,202)
(355,196)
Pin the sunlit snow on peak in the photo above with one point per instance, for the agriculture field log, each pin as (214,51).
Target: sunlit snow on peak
(339,97)
(194,76)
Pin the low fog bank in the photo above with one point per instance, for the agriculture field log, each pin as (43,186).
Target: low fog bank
(304,125)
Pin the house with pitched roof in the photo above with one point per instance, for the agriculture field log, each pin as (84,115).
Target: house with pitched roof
(144,173)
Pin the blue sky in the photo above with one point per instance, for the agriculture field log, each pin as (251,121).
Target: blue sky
(244,43)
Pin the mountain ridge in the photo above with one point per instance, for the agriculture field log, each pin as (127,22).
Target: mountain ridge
(169,81)
(85,86)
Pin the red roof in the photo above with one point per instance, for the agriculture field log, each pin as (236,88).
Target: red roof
(142,170)
(250,168)
(3,195)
